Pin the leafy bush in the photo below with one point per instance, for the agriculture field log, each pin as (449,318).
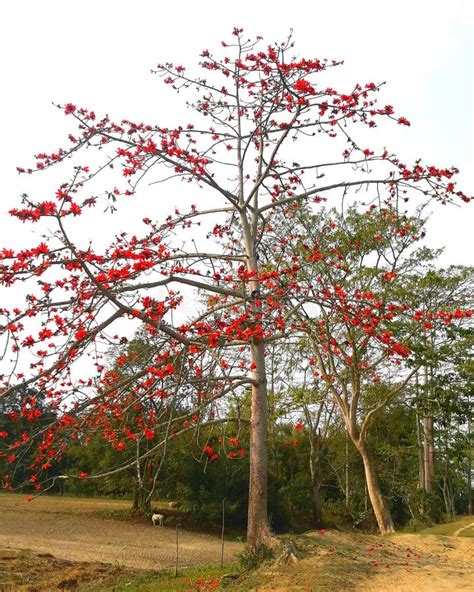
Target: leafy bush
(250,560)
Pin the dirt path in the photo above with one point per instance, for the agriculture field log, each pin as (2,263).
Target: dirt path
(445,565)
(459,530)
(341,561)
(68,529)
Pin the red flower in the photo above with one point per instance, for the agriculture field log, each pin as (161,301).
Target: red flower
(75,209)
(80,334)
(45,334)
(303,86)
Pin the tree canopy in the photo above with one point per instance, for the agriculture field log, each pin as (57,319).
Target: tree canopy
(239,264)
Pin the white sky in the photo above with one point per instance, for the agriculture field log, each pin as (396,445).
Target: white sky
(98,54)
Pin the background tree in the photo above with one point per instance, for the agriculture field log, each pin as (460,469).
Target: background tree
(436,296)
(358,319)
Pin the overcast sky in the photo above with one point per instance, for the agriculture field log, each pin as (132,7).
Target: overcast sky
(99,53)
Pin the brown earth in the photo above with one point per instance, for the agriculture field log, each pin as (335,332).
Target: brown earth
(24,571)
(339,562)
(70,529)
(331,561)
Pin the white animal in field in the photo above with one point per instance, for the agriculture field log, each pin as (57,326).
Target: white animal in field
(157,518)
(173,505)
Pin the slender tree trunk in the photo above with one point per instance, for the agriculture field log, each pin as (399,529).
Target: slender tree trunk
(428,448)
(379,504)
(315,493)
(431,447)
(469,493)
(428,454)
(431,451)
(316,502)
(448,495)
(469,468)
(141,503)
(346,475)
(419,447)
(419,442)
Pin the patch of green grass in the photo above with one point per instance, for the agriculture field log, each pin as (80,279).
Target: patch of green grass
(189,579)
(469,532)
(113,514)
(449,528)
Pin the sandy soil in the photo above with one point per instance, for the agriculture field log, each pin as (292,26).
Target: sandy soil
(68,529)
(343,562)
(446,565)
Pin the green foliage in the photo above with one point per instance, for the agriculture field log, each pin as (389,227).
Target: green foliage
(194,578)
(429,507)
(250,560)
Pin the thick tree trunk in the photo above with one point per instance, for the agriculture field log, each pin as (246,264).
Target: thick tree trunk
(258,530)
(379,505)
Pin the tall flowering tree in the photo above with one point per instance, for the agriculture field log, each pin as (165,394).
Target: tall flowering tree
(250,154)
(363,316)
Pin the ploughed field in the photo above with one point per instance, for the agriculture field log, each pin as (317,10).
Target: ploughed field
(77,529)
